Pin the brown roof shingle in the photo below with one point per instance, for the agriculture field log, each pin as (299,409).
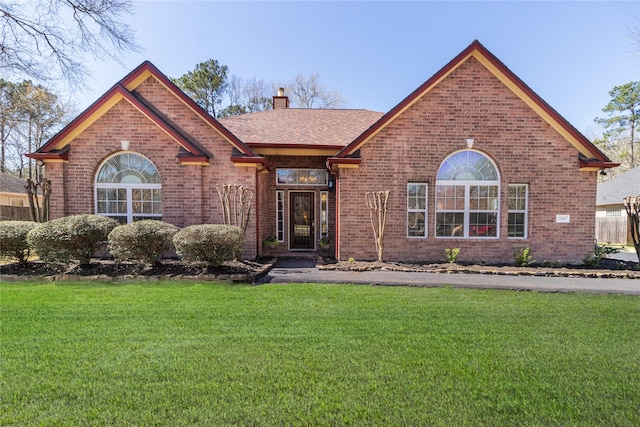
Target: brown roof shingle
(301,127)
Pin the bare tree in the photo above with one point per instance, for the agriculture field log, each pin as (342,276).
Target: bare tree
(308,92)
(632,206)
(34,187)
(247,96)
(43,39)
(377,204)
(236,204)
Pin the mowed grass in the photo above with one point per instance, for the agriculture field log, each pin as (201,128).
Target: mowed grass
(184,353)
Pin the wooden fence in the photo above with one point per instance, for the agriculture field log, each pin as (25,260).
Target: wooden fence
(614,230)
(15,213)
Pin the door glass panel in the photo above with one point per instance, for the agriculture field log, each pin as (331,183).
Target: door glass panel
(302,221)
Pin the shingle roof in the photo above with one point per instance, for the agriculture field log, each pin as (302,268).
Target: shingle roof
(12,184)
(613,192)
(301,127)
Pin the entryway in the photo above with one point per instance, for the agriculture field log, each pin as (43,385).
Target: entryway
(301,220)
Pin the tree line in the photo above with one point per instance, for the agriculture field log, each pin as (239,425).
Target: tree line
(29,115)
(222,95)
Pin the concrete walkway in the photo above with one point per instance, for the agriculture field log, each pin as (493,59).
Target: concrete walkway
(305,271)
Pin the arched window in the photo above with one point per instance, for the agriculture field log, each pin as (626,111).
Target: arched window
(128,188)
(467,196)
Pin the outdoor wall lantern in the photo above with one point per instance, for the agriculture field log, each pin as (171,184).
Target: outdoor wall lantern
(331,183)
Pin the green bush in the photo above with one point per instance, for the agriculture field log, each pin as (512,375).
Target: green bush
(74,237)
(593,260)
(451,254)
(209,244)
(143,241)
(13,239)
(522,257)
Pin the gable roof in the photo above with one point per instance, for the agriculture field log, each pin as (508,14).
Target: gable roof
(300,131)
(192,151)
(12,184)
(613,191)
(591,157)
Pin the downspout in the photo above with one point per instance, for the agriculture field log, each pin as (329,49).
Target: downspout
(337,216)
(257,215)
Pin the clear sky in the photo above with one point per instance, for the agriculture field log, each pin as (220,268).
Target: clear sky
(376,53)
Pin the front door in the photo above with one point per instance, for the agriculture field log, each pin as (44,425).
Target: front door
(301,220)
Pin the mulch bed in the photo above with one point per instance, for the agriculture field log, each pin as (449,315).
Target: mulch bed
(108,270)
(608,268)
(250,272)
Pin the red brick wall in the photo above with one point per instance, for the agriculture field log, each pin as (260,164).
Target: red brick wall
(189,193)
(470,103)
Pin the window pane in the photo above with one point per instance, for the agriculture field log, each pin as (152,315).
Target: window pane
(416,196)
(468,165)
(483,197)
(449,224)
(482,225)
(450,197)
(416,224)
(516,225)
(128,168)
(517,197)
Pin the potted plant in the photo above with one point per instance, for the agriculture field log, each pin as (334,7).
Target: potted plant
(271,242)
(325,243)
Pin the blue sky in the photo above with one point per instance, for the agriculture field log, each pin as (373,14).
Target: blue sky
(375,53)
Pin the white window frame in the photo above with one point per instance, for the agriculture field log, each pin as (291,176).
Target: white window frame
(130,216)
(467,211)
(280,216)
(524,211)
(324,213)
(418,210)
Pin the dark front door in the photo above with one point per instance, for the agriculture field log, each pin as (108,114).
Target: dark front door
(301,219)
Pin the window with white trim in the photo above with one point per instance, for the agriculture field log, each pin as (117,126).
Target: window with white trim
(614,211)
(324,213)
(128,189)
(416,209)
(467,196)
(517,198)
(280,215)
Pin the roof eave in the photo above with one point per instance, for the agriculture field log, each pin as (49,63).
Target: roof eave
(495,66)
(146,69)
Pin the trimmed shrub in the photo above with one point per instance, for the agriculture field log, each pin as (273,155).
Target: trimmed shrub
(74,237)
(209,244)
(143,241)
(13,239)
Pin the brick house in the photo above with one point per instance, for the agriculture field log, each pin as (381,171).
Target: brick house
(473,158)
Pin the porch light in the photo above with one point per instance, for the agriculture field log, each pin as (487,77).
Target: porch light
(331,182)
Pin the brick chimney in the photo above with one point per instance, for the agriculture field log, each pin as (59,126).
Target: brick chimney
(281,101)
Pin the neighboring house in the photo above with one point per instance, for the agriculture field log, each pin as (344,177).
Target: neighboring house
(612,223)
(610,194)
(473,158)
(12,191)
(14,201)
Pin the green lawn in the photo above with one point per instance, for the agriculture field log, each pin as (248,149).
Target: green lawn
(181,353)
